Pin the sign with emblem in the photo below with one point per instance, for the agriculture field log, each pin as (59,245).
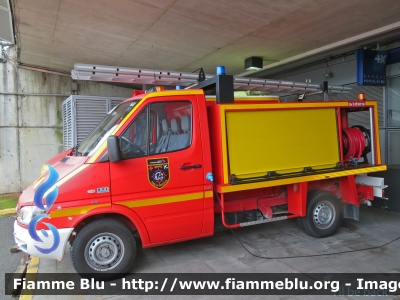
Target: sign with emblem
(158,172)
(371,67)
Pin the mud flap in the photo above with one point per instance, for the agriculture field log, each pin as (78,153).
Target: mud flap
(351,211)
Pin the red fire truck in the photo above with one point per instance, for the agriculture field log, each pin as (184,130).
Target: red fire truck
(174,165)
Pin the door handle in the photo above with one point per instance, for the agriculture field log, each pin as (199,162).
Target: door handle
(190,167)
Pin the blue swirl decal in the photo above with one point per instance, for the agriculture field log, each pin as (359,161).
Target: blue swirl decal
(48,203)
(32,227)
(44,187)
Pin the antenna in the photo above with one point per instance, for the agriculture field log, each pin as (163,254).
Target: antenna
(154,63)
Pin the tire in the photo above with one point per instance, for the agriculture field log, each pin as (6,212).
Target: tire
(103,249)
(324,214)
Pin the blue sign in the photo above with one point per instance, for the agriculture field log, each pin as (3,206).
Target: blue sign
(371,67)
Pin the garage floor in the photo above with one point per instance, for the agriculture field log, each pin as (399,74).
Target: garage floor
(223,253)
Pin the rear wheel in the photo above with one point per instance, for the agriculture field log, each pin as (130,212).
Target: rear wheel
(324,214)
(103,249)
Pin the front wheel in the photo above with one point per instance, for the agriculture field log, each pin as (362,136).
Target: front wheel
(324,214)
(104,249)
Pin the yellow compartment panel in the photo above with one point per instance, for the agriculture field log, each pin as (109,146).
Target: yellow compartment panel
(281,140)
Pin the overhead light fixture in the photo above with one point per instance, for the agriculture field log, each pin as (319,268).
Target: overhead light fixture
(328,73)
(253,63)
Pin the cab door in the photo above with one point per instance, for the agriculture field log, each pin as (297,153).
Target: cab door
(161,176)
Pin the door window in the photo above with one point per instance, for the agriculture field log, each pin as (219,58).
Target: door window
(161,127)
(134,141)
(174,125)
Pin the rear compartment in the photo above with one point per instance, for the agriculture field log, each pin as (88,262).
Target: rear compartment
(269,158)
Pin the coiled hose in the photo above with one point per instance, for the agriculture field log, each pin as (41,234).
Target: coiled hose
(354,143)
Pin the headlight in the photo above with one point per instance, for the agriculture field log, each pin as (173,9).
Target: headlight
(26,214)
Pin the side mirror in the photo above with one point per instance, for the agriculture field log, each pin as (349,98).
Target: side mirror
(114,151)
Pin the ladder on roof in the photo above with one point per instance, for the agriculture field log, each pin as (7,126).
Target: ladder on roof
(188,80)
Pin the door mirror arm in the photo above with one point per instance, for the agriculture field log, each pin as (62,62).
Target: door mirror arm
(114,151)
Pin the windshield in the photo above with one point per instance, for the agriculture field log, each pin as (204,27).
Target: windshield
(96,138)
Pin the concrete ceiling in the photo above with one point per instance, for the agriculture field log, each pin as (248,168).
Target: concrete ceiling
(188,34)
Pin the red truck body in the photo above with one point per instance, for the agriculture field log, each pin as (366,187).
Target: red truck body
(166,184)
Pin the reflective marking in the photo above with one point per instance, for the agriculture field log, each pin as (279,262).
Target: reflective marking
(163,200)
(76,211)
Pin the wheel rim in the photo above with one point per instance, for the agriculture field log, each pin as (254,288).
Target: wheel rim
(104,251)
(324,215)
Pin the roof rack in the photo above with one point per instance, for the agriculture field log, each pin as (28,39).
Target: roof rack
(194,80)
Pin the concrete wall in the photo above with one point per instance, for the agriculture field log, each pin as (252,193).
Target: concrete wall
(31,125)
(9,133)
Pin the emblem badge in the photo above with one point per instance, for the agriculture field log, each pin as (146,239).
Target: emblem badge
(158,170)
(103,190)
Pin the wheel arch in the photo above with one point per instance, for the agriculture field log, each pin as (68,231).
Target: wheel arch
(120,213)
(332,203)
(105,248)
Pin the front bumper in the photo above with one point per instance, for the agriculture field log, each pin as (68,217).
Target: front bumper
(28,245)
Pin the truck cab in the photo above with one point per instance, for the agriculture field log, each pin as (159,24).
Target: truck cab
(156,187)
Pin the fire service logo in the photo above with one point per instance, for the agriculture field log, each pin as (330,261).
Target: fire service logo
(158,170)
(52,193)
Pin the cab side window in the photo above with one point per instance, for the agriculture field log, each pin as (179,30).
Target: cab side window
(134,141)
(160,127)
(175,125)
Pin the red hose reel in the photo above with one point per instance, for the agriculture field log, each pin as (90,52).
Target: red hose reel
(356,143)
